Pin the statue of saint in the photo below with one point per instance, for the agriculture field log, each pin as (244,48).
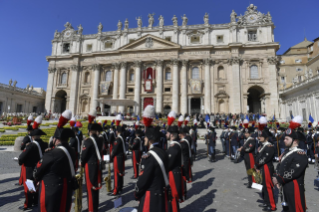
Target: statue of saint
(126,24)
(80,29)
(139,22)
(27,88)
(56,34)
(10,82)
(100,28)
(161,21)
(150,20)
(185,20)
(206,19)
(119,25)
(175,22)
(15,83)
(233,16)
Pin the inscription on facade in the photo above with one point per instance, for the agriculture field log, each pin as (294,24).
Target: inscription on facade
(196,53)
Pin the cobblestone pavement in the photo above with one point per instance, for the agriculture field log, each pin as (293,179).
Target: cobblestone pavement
(216,187)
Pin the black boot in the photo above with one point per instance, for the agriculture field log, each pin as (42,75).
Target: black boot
(264,205)
(249,185)
(268,208)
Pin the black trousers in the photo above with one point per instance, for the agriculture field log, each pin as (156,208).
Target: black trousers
(93,200)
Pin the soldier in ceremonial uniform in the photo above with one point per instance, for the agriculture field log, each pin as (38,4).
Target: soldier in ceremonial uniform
(315,138)
(290,172)
(118,157)
(27,138)
(55,175)
(28,159)
(92,161)
(211,141)
(76,143)
(151,188)
(280,137)
(137,149)
(174,152)
(309,141)
(263,163)
(247,151)
(241,136)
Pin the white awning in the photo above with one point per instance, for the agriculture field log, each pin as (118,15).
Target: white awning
(118,102)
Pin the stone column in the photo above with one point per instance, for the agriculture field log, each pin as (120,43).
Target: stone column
(272,70)
(49,89)
(175,91)
(207,62)
(96,71)
(235,95)
(184,87)
(159,86)
(137,90)
(74,89)
(122,85)
(115,84)
(189,106)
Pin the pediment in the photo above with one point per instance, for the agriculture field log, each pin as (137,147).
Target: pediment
(150,42)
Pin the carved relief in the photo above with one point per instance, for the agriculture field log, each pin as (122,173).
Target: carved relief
(272,60)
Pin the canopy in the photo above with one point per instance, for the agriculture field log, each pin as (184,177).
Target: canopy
(118,102)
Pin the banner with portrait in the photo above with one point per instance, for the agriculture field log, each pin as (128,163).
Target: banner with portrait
(104,88)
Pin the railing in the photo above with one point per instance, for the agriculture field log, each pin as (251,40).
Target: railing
(300,83)
(21,90)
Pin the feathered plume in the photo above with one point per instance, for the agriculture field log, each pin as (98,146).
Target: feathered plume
(118,119)
(240,126)
(296,122)
(171,118)
(37,122)
(72,121)
(180,120)
(64,118)
(148,115)
(309,125)
(195,122)
(262,123)
(277,125)
(91,116)
(30,119)
(186,121)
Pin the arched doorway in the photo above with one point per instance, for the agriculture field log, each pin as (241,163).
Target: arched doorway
(221,106)
(255,94)
(166,109)
(60,101)
(195,105)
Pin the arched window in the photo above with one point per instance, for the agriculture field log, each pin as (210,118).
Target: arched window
(221,73)
(87,77)
(254,72)
(108,76)
(63,78)
(168,74)
(131,77)
(195,73)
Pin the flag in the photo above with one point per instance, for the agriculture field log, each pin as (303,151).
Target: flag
(207,118)
(273,118)
(311,119)
(291,116)
(247,117)
(138,117)
(156,116)
(253,116)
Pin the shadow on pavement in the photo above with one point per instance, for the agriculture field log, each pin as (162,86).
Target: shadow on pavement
(202,202)
(201,174)
(9,179)
(198,187)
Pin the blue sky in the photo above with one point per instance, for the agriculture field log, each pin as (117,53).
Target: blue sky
(27,26)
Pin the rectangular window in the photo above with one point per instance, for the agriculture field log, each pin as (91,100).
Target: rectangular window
(168,38)
(299,78)
(252,35)
(34,109)
(131,77)
(298,61)
(298,69)
(108,45)
(130,90)
(195,39)
(282,79)
(168,76)
(89,48)
(66,48)
(19,108)
(282,62)
(220,39)
(131,40)
(167,89)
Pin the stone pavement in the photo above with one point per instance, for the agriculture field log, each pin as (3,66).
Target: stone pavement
(216,187)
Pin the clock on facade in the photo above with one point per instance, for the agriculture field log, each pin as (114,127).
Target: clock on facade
(67,34)
(252,18)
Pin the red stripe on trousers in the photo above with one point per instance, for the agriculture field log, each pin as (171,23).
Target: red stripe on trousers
(88,187)
(147,202)
(134,165)
(269,186)
(99,176)
(64,195)
(252,164)
(25,193)
(22,175)
(115,170)
(174,191)
(183,189)
(42,198)
(298,204)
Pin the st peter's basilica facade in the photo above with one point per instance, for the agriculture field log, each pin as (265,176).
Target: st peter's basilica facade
(205,68)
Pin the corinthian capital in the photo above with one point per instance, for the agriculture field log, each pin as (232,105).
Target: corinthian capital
(123,64)
(184,63)
(137,64)
(159,62)
(116,65)
(234,60)
(207,61)
(175,61)
(272,60)
(51,70)
(96,67)
(74,68)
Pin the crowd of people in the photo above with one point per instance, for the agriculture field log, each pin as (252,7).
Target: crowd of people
(162,159)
